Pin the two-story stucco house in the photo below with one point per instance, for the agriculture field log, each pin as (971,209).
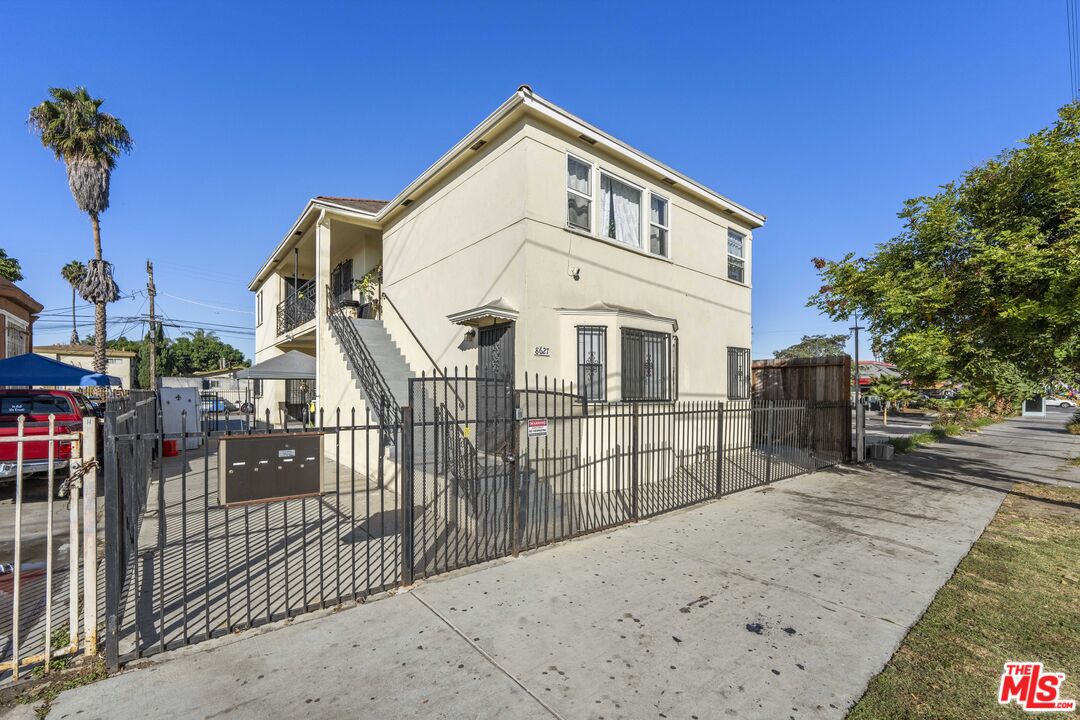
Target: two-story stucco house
(538,244)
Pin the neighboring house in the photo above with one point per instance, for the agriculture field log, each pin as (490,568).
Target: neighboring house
(219,390)
(538,244)
(18,311)
(120,363)
(225,383)
(872,370)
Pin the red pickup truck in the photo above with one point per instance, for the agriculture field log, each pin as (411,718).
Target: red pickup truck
(36,405)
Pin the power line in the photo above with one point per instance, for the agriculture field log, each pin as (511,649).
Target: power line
(208,305)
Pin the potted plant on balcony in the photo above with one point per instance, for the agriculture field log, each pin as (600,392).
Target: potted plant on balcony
(370,287)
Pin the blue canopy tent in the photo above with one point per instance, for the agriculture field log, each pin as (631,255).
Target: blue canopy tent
(31,370)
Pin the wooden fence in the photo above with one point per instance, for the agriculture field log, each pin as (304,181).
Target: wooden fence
(814,380)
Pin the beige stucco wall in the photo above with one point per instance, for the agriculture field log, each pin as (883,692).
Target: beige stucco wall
(496,228)
(459,246)
(690,287)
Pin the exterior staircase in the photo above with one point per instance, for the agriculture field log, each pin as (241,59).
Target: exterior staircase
(387,356)
(382,374)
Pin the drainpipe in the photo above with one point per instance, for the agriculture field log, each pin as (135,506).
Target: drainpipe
(296,271)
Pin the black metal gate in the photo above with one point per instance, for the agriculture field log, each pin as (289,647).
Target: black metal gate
(458,493)
(407,498)
(494,386)
(182,567)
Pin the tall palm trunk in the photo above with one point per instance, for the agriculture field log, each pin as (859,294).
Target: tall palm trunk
(100,364)
(74,325)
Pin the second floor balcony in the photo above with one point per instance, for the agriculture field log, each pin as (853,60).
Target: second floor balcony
(297,308)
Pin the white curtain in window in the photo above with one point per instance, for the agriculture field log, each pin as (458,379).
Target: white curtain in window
(577,176)
(622,212)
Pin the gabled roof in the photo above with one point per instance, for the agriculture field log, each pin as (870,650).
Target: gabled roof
(367,206)
(12,291)
(524,101)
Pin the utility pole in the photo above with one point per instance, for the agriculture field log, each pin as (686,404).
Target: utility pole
(860,413)
(151,291)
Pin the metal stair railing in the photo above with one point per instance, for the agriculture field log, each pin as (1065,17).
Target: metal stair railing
(460,454)
(384,405)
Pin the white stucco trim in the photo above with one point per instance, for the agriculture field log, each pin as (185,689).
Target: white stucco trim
(496,309)
(604,309)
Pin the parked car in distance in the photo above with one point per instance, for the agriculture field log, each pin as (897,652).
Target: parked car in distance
(211,403)
(68,408)
(1061,401)
(938,394)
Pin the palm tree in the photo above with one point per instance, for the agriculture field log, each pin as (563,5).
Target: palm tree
(89,141)
(890,392)
(74,272)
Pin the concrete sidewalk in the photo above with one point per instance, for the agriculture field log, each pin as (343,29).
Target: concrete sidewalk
(776,603)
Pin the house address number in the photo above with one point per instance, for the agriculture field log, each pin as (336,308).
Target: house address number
(542,351)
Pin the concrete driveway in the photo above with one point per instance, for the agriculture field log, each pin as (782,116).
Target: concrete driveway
(776,603)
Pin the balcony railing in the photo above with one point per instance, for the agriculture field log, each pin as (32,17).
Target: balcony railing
(297,308)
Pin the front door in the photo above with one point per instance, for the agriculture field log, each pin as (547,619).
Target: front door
(495,387)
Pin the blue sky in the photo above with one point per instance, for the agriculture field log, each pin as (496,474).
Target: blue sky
(823,116)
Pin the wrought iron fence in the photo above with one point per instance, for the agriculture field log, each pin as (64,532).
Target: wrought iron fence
(197,568)
(187,567)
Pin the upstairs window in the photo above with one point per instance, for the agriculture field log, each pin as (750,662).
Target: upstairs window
(736,260)
(258,308)
(738,373)
(620,208)
(592,362)
(658,225)
(647,366)
(17,341)
(578,193)
(341,281)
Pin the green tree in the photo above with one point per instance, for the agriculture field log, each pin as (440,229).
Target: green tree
(74,272)
(889,390)
(196,351)
(10,267)
(89,141)
(982,285)
(814,346)
(199,351)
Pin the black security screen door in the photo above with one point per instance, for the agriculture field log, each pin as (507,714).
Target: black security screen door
(494,394)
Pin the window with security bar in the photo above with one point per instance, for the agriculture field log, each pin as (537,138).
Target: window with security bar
(341,281)
(647,366)
(738,363)
(592,362)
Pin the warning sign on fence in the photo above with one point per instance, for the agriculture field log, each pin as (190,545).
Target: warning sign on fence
(538,428)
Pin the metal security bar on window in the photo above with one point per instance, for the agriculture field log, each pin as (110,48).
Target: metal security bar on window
(646,366)
(738,361)
(592,362)
(341,281)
